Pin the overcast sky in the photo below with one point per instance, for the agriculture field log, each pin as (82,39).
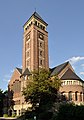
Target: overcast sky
(65,20)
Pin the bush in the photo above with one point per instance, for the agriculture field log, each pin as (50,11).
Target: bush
(70,112)
(45,116)
(23,117)
(5,115)
(13,115)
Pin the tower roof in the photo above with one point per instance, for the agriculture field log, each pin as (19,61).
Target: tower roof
(37,16)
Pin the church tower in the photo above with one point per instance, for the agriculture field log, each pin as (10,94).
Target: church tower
(35,44)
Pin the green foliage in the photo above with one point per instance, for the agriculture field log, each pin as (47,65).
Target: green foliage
(1,102)
(2,97)
(13,115)
(70,112)
(40,86)
(41,91)
(5,115)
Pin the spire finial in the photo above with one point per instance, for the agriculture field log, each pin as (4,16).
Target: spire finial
(35,9)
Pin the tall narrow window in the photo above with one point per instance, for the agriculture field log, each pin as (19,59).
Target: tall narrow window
(41,62)
(27,62)
(43,28)
(28,45)
(41,53)
(81,96)
(27,54)
(41,44)
(76,96)
(36,23)
(70,95)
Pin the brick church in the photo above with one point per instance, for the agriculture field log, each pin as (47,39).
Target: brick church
(35,56)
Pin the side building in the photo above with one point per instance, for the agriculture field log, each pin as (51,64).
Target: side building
(35,56)
(72,85)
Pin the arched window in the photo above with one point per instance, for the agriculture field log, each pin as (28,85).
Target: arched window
(70,95)
(63,93)
(80,96)
(76,96)
(63,96)
(83,97)
(41,62)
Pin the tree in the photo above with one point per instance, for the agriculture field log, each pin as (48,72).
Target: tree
(70,112)
(1,102)
(41,91)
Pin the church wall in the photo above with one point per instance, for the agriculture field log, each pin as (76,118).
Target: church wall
(76,92)
(35,41)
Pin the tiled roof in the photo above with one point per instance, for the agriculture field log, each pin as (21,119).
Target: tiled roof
(70,75)
(58,69)
(26,72)
(20,70)
(36,15)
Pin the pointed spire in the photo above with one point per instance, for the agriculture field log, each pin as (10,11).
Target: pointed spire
(35,9)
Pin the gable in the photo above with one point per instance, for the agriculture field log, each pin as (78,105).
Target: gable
(15,76)
(61,69)
(70,75)
(26,72)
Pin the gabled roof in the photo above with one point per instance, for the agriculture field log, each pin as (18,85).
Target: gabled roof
(58,69)
(70,75)
(37,16)
(19,69)
(26,72)
(16,75)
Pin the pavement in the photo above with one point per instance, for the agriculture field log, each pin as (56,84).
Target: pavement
(8,118)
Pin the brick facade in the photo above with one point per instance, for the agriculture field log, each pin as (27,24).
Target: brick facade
(35,56)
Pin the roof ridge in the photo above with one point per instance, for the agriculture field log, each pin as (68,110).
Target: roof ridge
(58,68)
(37,15)
(19,70)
